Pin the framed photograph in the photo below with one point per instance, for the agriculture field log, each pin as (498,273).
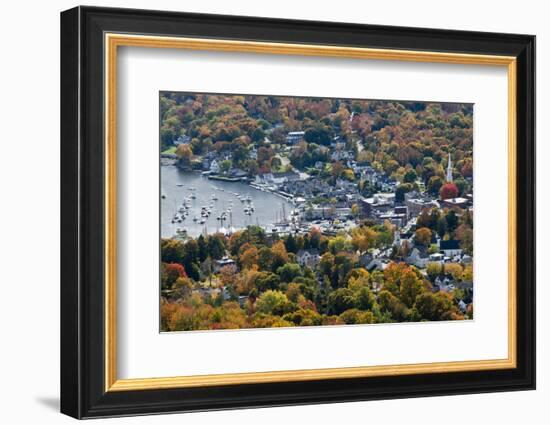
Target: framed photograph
(261,212)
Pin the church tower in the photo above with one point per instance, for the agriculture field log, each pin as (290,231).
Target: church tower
(449,170)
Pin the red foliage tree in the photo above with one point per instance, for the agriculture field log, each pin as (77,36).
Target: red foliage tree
(448,190)
(172,272)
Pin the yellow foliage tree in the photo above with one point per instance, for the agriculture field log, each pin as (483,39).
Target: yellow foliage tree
(249,258)
(363,238)
(454,269)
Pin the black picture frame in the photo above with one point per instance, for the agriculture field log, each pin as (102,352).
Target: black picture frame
(82,206)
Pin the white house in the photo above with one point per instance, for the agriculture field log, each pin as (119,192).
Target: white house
(295,137)
(417,258)
(308,257)
(437,258)
(278,178)
(214,167)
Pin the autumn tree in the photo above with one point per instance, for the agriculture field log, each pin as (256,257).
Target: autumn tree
(183,287)
(170,273)
(249,257)
(467,168)
(228,275)
(355,316)
(273,302)
(337,169)
(434,269)
(392,305)
(448,191)
(279,255)
(349,175)
(438,306)
(339,244)
(410,288)
(392,276)
(465,235)
(468,274)
(364,299)
(454,269)
(184,154)
(423,236)
(363,238)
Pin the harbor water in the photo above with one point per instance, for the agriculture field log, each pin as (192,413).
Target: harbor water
(227,200)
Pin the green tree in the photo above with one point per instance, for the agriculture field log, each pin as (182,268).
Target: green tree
(410,176)
(216,246)
(357,317)
(203,248)
(438,306)
(258,135)
(441,226)
(434,185)
(290,244)
(392,305)
(340,300)
(452,221)
(401,190)
(289,271)
(172,251)
(267,281)
(273,302)
(225,166)
(264,258)
(339,244)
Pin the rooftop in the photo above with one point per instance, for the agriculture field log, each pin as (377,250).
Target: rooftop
(450,244)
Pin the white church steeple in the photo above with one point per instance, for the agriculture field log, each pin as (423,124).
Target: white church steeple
(449,170)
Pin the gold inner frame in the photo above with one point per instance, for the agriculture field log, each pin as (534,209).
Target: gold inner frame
(113,41)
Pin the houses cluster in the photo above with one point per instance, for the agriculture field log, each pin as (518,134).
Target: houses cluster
(339,204)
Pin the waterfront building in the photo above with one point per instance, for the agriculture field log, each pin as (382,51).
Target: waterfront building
(214,167)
